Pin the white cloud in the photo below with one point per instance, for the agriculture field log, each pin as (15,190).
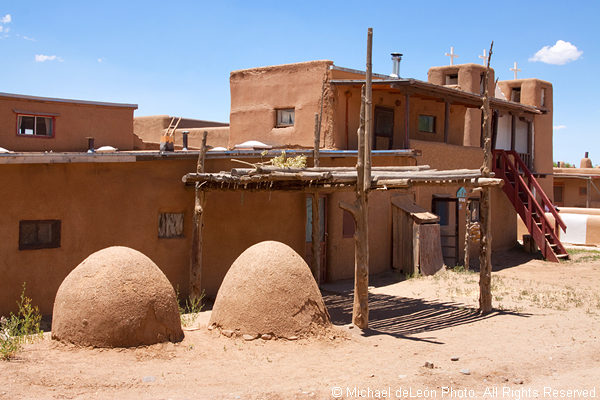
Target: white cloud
(44,58)
(559,127)
(1,28)
(6,19)
(100,60)
(559,54)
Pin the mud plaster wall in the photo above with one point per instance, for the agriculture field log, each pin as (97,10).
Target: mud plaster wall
(110,126)
(257,93)
(150,129)
(99,205)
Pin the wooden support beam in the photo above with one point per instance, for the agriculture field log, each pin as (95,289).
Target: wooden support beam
(588,192)
(317,141)
(407,121)
(446,120)
(485,256)
(195,284)
(467,234)
(513,130)
(316,237)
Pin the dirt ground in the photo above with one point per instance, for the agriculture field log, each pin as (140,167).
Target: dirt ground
(541,341)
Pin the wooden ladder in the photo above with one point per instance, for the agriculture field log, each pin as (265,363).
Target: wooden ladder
(518,185)
(172,126)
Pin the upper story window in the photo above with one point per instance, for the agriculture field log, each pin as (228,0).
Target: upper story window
(34,125)
(452,79)
(427,123)
(515,95)
(285,117)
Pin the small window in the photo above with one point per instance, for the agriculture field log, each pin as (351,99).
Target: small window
(543,99)
(474,208)
(452,79)
(33,125)
(558,194)
(348,227)
(515,95)
(427,123)
(170,225)
(582,191)
(39,234)
(285,117)
(482,84)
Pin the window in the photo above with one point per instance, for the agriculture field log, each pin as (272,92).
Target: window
(481,84)
(543,99)
(384,128)
(427,123)
(33,125)
(452,79)
(285,117)
(348,227)
(515,95)
(170,225)
(39,234)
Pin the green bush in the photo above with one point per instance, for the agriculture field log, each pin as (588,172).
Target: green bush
(16,330)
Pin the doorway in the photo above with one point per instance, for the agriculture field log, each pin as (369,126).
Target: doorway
(447,210)
(323,228)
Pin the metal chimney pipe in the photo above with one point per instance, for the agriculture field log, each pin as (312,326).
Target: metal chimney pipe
(396,58)
(185,140)
(90,144)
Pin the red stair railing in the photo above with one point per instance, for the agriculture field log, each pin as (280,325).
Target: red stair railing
(531,212)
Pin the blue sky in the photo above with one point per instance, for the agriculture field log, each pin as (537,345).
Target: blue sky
(175,57)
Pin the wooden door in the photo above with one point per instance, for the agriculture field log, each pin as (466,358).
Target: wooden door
(447,210)
(402,241)
(322,228)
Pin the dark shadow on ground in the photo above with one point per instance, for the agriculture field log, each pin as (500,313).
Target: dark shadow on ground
(403,316)
(507,259)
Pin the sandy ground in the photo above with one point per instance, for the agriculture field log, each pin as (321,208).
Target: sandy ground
(543,336)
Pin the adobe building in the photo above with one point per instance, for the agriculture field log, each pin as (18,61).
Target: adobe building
(577,187)
(63,203)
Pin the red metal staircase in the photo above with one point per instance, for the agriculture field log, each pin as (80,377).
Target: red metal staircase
(518,185)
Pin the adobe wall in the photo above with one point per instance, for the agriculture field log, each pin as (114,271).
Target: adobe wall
(572,197)
(149,129)
(99,211)
(110,126)
(257,93)
(469,80)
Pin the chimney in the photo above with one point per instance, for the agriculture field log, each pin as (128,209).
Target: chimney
(586,162)
(396,58)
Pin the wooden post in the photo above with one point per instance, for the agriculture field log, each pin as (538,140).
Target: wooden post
(316,238)
(359,210)
(317,142)
(588,192)
(195,289)
(446,120)
(467,234)
(485,256)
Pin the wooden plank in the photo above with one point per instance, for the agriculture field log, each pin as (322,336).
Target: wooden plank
(430,249)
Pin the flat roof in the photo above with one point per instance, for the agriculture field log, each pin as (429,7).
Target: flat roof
(73,101)
(150,155)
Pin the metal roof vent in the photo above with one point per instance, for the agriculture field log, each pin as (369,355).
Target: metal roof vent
(396,58)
